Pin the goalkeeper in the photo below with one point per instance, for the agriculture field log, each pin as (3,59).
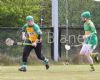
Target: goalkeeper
(90,38)
(31,33)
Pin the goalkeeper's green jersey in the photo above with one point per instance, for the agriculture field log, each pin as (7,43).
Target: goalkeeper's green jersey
(92,39)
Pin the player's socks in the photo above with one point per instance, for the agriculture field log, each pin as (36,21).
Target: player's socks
(46,61)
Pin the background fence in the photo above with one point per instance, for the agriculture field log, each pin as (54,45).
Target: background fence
(12,55)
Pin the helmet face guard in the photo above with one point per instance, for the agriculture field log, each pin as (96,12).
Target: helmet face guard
(30,23)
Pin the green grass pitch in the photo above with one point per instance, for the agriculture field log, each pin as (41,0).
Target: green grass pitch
(56,72)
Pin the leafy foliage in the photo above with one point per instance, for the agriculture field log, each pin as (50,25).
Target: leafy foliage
(13,12)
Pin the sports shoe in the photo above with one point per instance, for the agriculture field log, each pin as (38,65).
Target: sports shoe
(47,66)
(92,69)
(22,69)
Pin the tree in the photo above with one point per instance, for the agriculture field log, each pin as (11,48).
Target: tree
(13,12)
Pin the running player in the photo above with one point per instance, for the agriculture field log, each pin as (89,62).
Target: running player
(90,38)
(31,33)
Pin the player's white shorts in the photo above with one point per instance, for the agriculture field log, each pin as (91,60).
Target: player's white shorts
(86,49)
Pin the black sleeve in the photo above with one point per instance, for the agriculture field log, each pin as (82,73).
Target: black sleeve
(39,36)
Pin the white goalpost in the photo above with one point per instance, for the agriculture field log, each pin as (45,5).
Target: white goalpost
(59,18)
(55,27)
